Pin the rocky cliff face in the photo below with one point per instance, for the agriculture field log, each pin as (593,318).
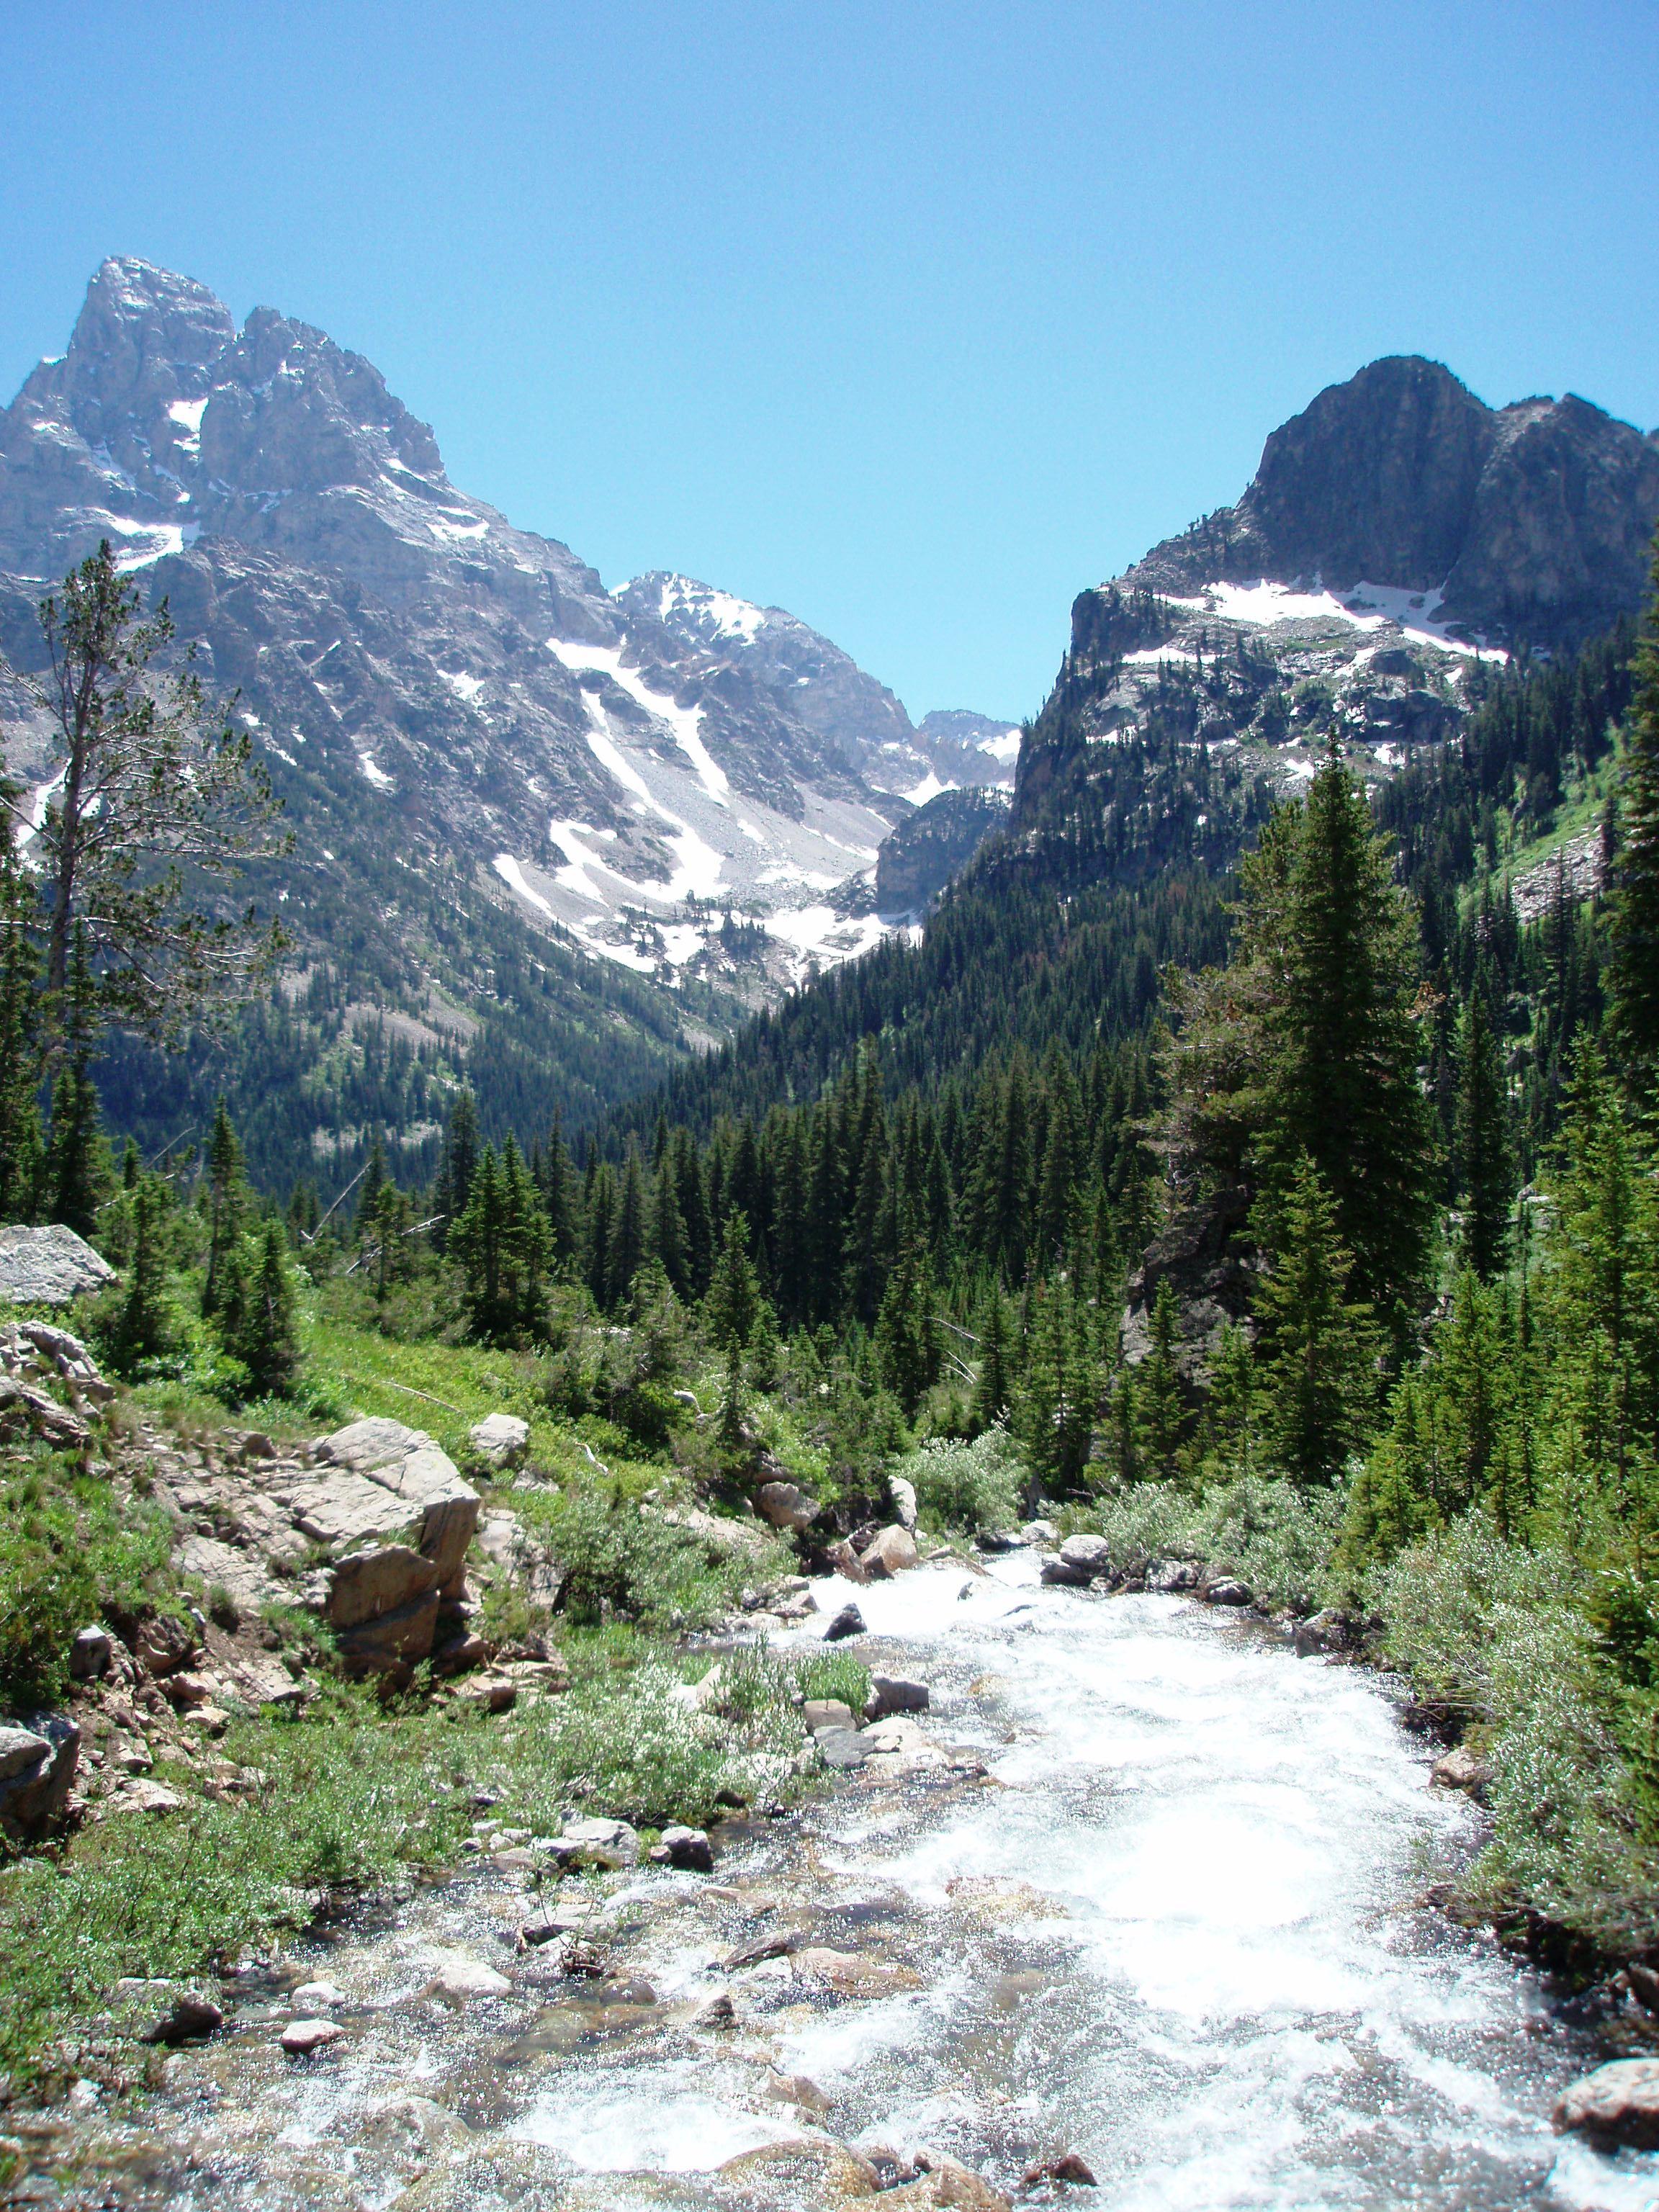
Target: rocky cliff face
(933,847)
(1531,521)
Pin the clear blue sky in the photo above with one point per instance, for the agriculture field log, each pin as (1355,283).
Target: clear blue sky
(912,318)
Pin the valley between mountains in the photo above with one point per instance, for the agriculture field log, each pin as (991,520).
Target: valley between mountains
(811,1456)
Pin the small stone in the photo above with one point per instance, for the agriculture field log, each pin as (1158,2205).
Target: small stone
(610,1843)
(842,1749)
(91,1654)
(718,2012)
(140,1796)
(1618,2104)
(893,1553)
(797,2089)
(892,1694)
(256,1444)
(316,1997)
(301,2037)
(1069,2167)
(850,1975)
(489,1693)
(849,1621)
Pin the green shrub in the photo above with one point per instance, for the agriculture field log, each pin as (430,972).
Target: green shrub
(967,1487)
(68,1554)
(620,1559)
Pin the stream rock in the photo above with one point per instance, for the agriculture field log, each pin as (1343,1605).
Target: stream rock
(1225,1590)
(893,1553)
(842,1749)
(610,1843)
(1616,2105)
(687,1849)
(799,2172)
(1168,1575)
(301,2037)
(903,1495)
(787,1506)
(947,2183)
(849,1621)
(1462,1768)
(893,1693)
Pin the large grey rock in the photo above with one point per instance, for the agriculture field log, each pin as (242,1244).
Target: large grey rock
(393,1519)
(49,1266)
(38,1755)
(785,1506)
(892,1553)
(893,1693)
(1090,1552)
(597,1842)
(500,1440)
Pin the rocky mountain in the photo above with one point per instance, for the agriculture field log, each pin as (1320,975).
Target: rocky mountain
(663,780)
(1526,523)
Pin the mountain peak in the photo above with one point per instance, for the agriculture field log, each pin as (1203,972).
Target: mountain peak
(1529,521)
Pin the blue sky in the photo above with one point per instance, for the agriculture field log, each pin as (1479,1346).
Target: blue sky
(912,318)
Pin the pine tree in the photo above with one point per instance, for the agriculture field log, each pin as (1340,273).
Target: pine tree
(22,1147)
(1632,968)
(732,1305)
(227,1205)
(77,1153)
(460,1163)
(907,1335)
(1484,1155)
(143,1329)
(503,1246)
(1161,1406)
(265,1337)
(629,1240)
(1319,1346)
(1054,1410)
(992,1382)
(1342,1084)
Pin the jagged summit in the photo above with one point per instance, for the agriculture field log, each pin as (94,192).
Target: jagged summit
(1527,521)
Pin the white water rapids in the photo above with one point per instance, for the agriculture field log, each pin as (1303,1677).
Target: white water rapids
(1176,1929)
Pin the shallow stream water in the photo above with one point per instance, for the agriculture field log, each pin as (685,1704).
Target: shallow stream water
(1175,1928)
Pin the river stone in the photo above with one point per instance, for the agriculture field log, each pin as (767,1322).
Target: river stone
(500,1440)
(163,2011)
(842,1749)
(316,1997)
(797,2089)
(1067,2167)
(459,1981)
(893,1553)
(1168,1576)
(1617,2104)
(301,2037)
(849,1621)
(48,1267)
(825,1713)
(849,1974)
(1092,1554)
(687,1849)
(947,2183)
(1225,1590)
(892,1694)
(1462,1769)
(903,1495)
(785,1506)
(1063,1574)
(799,2172)
(594,1842)
(842,1559)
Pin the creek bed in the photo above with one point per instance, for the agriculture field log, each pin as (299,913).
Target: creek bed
(1174,1926)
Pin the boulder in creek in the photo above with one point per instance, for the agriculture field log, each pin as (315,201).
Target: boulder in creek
(892,1694)
(1462,1768)
(903,1495)
(844,1749)
(1324,1631)
(799,2089)
(719,2012)
(1618,2105)
(1063,1574)
(610,1843)
(499,1441)
(1168,1576)
(893,1553)
(1092,1554)
(850,1974)
(785,1506)
(819,1713)
(162,2012)
(842,1559)
(302,2037)
(1226,1591)
(800,2171)
(460,1981)
(38,1755)
(849,1621)
(316,1997)
(687,1849)
(945,2183)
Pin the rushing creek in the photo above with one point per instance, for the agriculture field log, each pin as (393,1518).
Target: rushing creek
(1176,1928)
